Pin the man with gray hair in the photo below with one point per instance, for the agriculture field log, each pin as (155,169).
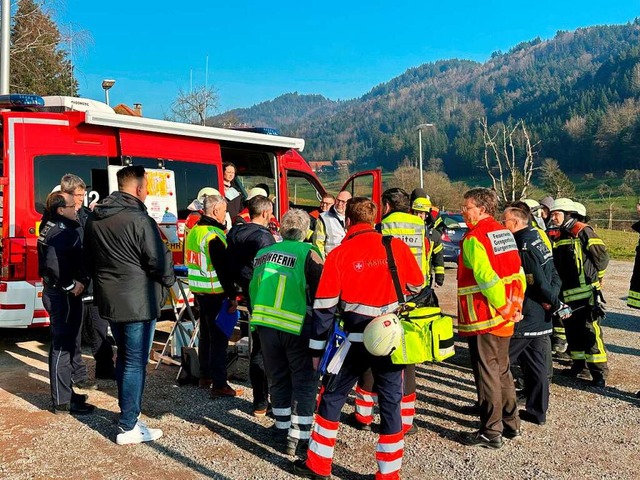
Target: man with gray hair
(282,291)
(211,281)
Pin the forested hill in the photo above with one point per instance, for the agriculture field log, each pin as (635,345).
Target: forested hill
(282,112)
(579,94)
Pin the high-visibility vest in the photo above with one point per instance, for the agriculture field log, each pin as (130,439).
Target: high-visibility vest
(334,230)
(278,289)
(202,276)
(411,230)
(477,313)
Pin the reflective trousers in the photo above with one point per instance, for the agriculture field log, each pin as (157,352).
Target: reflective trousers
(584,336)
(293,382)
(366,397)
(388,380)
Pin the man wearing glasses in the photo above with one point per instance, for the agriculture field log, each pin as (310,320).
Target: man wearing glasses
(491,286)
(326,203)
(61,268)
(330,228)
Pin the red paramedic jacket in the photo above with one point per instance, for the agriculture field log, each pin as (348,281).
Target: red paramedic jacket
(356,279)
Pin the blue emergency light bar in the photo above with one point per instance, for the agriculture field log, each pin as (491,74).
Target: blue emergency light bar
(21,101)
(263,130)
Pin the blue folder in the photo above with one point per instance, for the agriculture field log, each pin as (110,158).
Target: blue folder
(227,321)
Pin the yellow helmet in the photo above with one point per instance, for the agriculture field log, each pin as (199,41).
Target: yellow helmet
(421,204)
(531,203)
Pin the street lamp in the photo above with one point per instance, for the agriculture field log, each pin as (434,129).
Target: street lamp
(419,128)
(106,85)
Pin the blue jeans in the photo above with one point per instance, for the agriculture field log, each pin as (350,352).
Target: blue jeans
(134,345)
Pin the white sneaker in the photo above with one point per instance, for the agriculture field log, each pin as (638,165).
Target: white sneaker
(138,434)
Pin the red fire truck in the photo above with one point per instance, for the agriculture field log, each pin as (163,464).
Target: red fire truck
(42,139)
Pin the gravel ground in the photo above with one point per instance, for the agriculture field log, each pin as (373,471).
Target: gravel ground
(590,433)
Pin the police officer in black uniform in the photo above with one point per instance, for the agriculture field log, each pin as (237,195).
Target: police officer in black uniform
(61,267)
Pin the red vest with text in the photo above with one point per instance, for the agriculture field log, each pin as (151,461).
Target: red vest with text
(476,314)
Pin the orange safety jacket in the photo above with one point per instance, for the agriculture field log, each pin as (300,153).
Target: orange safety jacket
(491,282)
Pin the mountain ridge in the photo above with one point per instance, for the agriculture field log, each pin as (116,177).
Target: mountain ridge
(569,90)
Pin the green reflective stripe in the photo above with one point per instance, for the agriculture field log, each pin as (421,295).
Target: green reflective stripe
(595,241)
(568,241)
(277,311)
(279,319)
(488,285)
(197,284)
(468,290)
(577,355)
(477,326)
(282,281)
(577,296)
(601,273)
(597,357)
(633,300)
(439,270)
(580,293)
(438,248)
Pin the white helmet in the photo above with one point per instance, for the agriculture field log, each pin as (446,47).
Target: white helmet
(580,209)
(383,334)
(255,191)
(563,204)
(205,192)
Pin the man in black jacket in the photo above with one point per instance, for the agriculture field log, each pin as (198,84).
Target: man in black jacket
(531,341)
(245,239)
(65,278)
(132,268)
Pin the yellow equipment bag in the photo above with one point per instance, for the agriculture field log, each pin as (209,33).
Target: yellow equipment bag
(427,337)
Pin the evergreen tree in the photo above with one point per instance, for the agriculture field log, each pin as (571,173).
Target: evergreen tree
(39,63)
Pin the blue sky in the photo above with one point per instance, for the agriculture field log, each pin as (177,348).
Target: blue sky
(258,50)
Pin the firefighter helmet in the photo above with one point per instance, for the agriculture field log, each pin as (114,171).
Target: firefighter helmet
(206,192)
(421,204)
(382,335)
(564,204)
(255,191)
(532,204)
(580,209)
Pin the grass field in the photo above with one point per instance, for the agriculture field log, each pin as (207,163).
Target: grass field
(621,245)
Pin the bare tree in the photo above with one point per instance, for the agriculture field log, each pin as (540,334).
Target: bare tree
(509,158)
(607,194)
(441,191)
(193,107)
